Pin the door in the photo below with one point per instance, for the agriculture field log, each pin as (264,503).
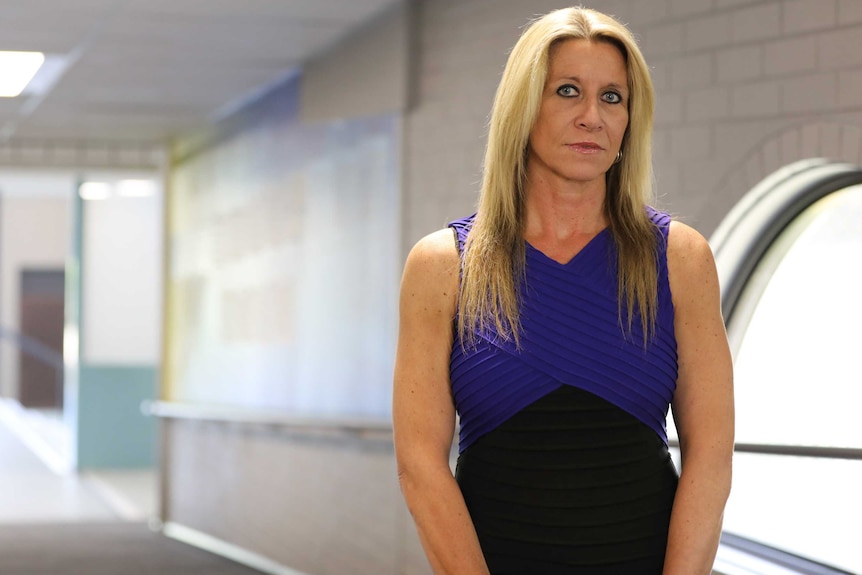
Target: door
(41,321)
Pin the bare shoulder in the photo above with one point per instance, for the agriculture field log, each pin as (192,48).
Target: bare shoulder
(436,250)
(432,269)
(691,264)
(685,242)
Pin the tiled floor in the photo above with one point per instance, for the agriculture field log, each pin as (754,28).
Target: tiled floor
(36,486)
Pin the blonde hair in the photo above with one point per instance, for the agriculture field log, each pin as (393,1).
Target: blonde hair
(493,257)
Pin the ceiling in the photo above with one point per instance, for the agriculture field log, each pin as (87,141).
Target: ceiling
(141,72)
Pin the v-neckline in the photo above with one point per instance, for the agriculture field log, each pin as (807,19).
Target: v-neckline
(587,246)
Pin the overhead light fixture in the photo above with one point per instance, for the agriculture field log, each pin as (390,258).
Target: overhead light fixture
(16,71)
(94,191)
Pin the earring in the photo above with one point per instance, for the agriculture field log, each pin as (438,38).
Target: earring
(619,157)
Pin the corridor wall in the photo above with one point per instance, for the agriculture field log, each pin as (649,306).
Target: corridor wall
(280,450)
(115,284)
(283,268)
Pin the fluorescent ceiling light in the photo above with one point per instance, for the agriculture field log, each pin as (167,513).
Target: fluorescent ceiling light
(136,188)
(94,191)
(16,71)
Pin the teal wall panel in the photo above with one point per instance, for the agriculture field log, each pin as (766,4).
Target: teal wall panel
(112,431)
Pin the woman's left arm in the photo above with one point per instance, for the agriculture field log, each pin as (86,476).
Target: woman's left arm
(702,405)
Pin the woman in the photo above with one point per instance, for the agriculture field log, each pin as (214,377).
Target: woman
(560,322)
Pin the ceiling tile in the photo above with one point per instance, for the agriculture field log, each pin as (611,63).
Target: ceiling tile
(150,70)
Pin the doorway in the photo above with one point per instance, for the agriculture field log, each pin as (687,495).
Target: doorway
(41,351)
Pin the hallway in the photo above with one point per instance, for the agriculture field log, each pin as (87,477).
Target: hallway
(32,492)
(94,523)
(107,548)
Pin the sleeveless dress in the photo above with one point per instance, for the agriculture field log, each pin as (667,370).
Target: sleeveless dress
(563,459)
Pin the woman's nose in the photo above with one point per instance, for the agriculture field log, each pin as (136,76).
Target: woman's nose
(589,117)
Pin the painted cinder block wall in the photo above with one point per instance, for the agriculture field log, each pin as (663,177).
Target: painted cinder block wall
(742,88)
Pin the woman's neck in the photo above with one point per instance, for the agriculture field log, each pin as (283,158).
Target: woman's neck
(558,213)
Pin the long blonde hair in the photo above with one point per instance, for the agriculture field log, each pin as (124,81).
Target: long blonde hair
(493,259)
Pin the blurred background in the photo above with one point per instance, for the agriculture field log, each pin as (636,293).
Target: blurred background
(204,212)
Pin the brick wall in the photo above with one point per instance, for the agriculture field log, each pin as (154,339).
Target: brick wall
(742,88)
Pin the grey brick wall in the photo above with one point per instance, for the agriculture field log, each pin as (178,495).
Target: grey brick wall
(742,86)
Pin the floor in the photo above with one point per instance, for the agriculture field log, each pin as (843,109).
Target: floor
(107,548)
(54,520)
(36,485)
(40,497)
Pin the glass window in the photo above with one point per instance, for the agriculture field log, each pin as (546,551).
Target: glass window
(797,341)
(798,357)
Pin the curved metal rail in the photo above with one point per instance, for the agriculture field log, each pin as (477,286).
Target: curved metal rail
(751,227)
(740,243)
(41,352)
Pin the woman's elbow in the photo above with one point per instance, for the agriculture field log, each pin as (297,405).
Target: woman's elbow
(406,478)
(414,474)
(713,468)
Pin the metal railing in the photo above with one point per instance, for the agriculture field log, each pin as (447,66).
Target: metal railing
(793,450)
(745,235)
(364,428)
(40,352)
(740,243)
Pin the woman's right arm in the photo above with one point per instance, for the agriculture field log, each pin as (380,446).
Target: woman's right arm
(423,411)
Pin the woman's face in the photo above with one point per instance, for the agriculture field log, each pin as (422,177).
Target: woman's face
(583,114)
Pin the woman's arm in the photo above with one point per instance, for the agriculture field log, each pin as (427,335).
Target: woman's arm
(423,410)
(702,405)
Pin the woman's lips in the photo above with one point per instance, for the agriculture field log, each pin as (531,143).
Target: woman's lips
(585,147)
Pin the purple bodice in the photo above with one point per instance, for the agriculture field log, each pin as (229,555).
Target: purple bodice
(570,335)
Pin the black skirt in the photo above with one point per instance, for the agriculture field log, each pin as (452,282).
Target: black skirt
(571,484)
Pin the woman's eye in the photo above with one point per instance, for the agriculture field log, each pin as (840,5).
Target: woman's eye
(567,90)
(612,97)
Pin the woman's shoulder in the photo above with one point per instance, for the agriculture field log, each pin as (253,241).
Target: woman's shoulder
(439,245)
(435,255)
(690,260)
(431,275)
(681,238)
(684,240)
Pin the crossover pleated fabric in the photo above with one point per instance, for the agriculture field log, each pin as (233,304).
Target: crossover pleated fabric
(563,458)
(571,335)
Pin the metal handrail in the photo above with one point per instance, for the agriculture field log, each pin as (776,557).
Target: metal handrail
(41,352)
(791,562)
(794,450)
(33,347)
(746,234)
(752,226)
(357,426)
